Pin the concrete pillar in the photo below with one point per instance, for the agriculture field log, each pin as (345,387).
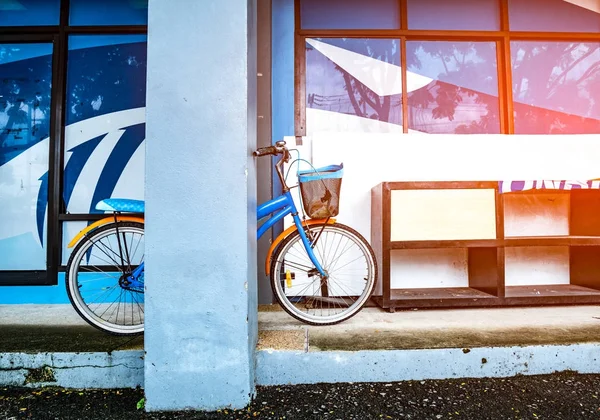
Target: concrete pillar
(201,299)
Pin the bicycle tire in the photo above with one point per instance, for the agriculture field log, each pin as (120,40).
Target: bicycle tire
(74,286)
(311,315)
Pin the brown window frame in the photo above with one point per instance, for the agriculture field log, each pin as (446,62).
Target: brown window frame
(502,37)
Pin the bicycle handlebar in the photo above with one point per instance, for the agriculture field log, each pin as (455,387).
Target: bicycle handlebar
(278,149)
(264,151)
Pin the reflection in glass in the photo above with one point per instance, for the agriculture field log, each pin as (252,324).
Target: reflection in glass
(554,15)
(106,93)
(350,14)
(462,95)
(466,15)
(25,89)
(25,83)
(556,87)
(29,12)
(353,84)
(108,12)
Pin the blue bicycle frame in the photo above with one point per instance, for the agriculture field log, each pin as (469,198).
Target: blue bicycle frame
(282,206)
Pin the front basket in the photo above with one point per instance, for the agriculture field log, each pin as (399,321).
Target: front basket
(320,190)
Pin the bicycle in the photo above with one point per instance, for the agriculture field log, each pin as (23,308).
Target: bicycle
(321,272)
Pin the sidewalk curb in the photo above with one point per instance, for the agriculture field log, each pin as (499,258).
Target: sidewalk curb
(294,367)
(119,369)
(125,369)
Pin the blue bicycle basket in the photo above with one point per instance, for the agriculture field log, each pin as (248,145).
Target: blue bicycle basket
(320,189)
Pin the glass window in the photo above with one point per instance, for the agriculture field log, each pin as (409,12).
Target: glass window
(350,14)
(29,12)
(454,15)
(25,88)
(353,85)
(109,12)
(452,87)
(105,117)
(556,87)
(554,15)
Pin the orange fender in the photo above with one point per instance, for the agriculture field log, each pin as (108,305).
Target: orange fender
(103,222)
(285,234)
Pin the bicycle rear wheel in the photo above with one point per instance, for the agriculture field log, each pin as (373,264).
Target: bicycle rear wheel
(96,278)
(349,262)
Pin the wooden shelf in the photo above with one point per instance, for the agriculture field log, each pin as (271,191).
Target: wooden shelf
(461,243)
(440,293)
(437,298)
(512,241)
(394,227)
(570,240)
(551,290)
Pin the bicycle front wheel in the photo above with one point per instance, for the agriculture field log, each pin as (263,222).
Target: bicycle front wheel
(98,278)
(349,262)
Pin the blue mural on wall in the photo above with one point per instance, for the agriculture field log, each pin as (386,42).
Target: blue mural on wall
(25,88)
(102,81)
(104,134)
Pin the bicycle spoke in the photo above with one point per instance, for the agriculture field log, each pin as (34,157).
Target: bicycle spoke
(104,249)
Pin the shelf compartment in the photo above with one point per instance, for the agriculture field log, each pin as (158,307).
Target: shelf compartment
(585,210)
(584,266)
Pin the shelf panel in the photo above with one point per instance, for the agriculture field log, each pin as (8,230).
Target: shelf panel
(447,243)
(514,241)
(443,214)
(553,290)
(439,293)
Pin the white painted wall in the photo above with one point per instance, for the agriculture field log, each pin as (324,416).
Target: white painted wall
(370,158)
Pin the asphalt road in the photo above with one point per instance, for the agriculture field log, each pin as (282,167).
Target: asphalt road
(559,396)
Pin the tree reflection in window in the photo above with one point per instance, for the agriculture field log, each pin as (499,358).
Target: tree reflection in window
(105,74)
(556,87)
(462,97)
(25,84)
(354,77)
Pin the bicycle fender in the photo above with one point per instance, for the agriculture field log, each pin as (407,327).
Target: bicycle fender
(285,234)
(102,222)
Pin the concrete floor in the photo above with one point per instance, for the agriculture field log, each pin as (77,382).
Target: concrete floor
(58,328)
(374,329)
(55,328)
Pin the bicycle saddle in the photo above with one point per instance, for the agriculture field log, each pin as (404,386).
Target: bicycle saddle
(121,204)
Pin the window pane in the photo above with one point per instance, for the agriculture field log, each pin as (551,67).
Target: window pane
(353,85)
(452,87)
(29,12)
(109,12)
(554,15)
(456,15)
(350,14)
(556,87)
(25,87)
(106,96)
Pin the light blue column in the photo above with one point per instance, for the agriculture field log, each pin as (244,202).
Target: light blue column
(201,300)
